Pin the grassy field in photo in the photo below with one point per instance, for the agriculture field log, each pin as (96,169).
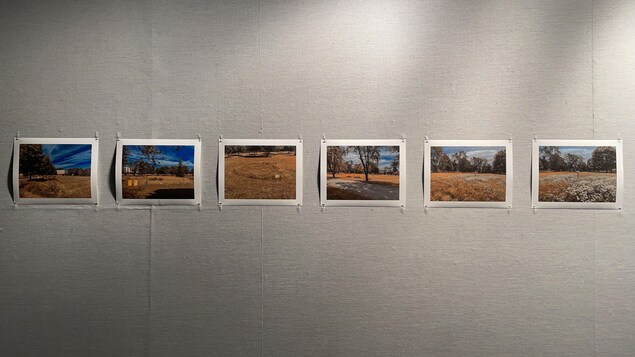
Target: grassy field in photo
(157,187)
(473,187)
(54,170)
(468,173)
(352,186)
(55,187)
(577,187)
(260,177)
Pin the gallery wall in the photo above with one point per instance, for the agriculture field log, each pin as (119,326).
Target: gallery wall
(275,281)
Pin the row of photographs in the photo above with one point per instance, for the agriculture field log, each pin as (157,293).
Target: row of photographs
(457,173)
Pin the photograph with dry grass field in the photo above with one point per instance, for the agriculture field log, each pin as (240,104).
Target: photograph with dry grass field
(55,170)
(362,172)
(577,174)
(157,171)
(468,173)
(262,172)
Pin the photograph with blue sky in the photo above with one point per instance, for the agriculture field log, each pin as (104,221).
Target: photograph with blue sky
(158,171)
(577,158)
(486,152)
(584,151)
(55,170)
(483,159)
(42,158)
(386,157)
(68,156)
(362,172)
(468,173)
(577,173)
(168,155)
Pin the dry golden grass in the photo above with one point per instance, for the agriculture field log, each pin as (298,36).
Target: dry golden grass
(56,187)
(260,177)
(392,180)
(157,187)
(458,186)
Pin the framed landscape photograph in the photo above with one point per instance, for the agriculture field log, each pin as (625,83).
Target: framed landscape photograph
(577,174)
(468,173)
(260,172)
(363,173)
(55,171)
(158,172)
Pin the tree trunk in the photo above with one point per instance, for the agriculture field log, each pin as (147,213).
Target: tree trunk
(366,175)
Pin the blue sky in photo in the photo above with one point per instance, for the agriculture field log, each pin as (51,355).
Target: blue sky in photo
(68,156)
(584,151)
(169,155)
(385,159)
(486,152)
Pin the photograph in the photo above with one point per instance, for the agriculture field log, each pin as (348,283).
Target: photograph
(260,172)
(468,173)
(158,171)
(577,174)
(55,170)
(363,172)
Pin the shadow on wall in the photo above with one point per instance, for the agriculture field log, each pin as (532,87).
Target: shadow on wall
(111,175)
(217,173)
(319,180)
(10,175)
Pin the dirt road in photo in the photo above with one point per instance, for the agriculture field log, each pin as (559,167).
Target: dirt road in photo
(354,187)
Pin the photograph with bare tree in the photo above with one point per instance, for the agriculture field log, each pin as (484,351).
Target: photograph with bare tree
(259,172)
(55,170)
(577,174)
(362,172)
(157,171)
(468,173)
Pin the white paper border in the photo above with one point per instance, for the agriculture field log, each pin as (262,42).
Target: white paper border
(159,202)
(94,172)
(260,142)
(535,171)
(401,202)
(509,176)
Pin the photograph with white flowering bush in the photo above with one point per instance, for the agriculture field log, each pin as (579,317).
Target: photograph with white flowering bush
(577,174)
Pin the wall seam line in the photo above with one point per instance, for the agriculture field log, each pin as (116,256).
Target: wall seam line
(153,122)
(262,238)
(262,284)
(595,263)
(149,286)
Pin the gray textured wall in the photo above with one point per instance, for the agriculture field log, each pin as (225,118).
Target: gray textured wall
(344,282)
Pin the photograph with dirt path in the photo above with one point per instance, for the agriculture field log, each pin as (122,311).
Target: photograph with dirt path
(468,173)
(157,172)
(577,174)
(55,170)
(362,172)
(260,172)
